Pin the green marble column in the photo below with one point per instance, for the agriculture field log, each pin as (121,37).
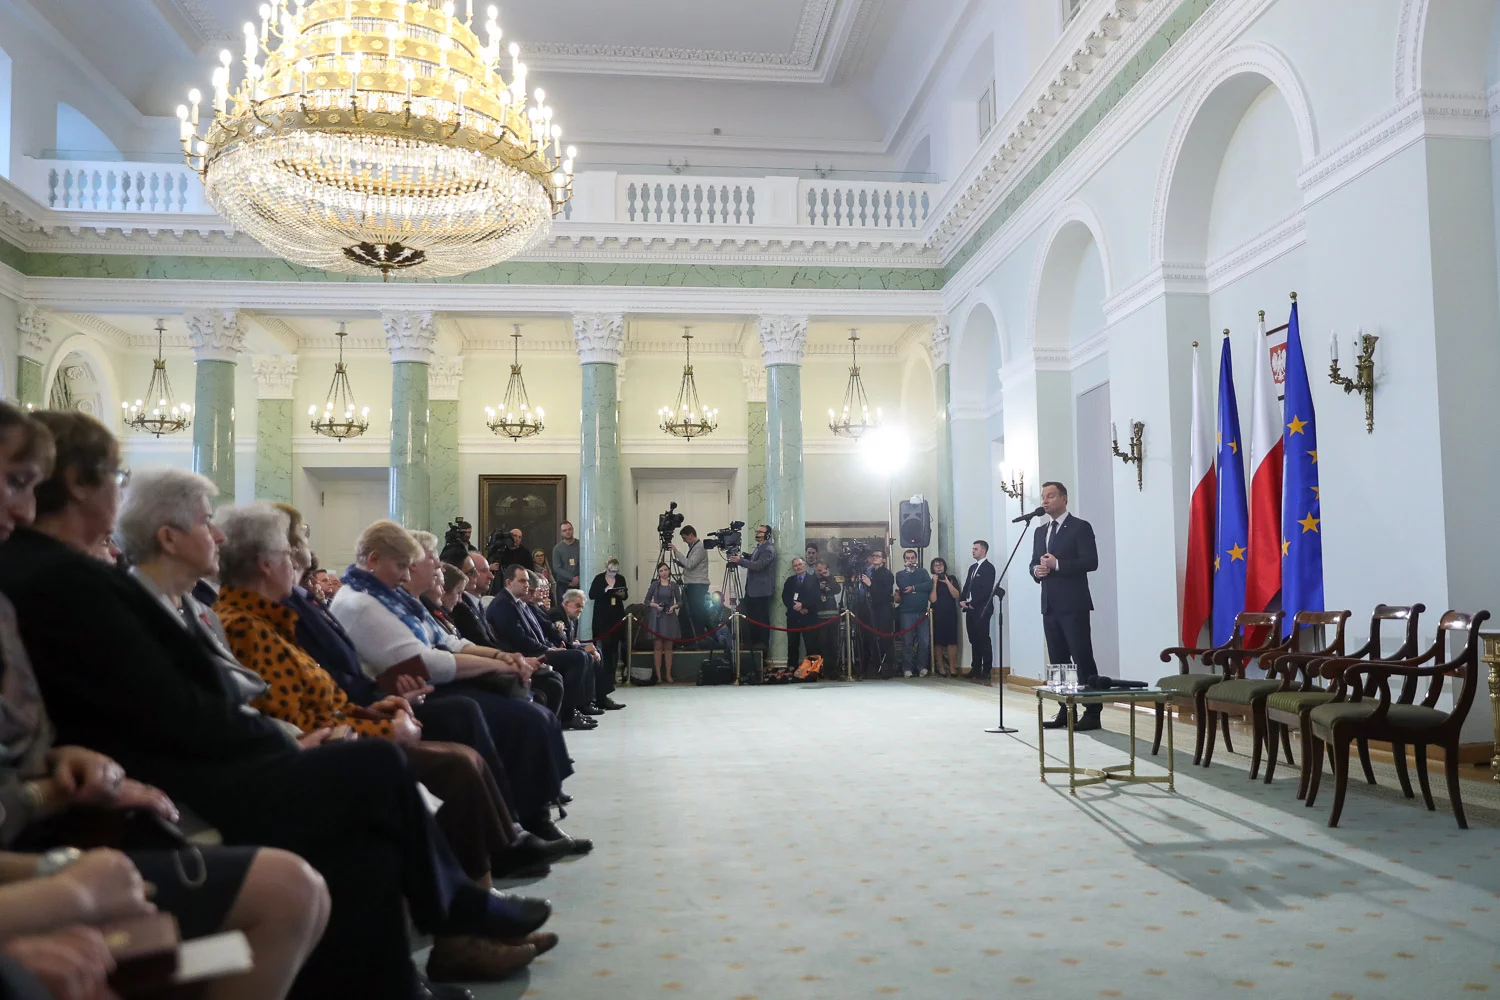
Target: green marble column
(601,515)
(213,425)
(783,339)
(29,374)
(942,390)
(442,467)
(755,426)
(411,484)
(273,450)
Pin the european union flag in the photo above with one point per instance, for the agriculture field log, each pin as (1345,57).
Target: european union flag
(1233,535)
(1301,508)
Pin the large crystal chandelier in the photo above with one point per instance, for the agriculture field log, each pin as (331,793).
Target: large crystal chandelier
(855,418)
(341,419)
(379,134)
(515,418)
(160,413)
(689,418)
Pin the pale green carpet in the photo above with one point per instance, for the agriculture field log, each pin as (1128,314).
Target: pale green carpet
(869,840)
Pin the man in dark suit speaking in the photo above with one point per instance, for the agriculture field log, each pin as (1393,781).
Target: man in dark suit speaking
(1063,554)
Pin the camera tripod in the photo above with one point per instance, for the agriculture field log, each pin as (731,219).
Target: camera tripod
(664,557)
(731,587)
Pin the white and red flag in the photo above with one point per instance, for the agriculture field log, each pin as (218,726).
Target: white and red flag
(1198,583)
(1263,575)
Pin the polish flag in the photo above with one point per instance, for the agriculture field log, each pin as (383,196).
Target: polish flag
(1197,591)
(1263,574)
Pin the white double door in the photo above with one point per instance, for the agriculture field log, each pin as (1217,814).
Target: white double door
(704,502)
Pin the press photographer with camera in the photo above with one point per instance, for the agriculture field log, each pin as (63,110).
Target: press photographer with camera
(877,588)
(694,566)
(760,586)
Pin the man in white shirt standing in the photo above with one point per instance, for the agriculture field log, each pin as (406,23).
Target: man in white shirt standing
(694,563)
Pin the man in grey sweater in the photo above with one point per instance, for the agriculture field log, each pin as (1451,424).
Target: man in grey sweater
(760,585)
(694,563)
(566,561)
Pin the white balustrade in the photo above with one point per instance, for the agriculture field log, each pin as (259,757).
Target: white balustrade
(724,201)
(865,204)
(114,186)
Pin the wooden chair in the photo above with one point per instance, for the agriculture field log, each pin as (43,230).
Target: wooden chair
(1302,690)
(1244,696)
(1354,715)
(1186,687)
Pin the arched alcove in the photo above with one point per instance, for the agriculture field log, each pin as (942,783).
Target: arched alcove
(1443,46)
(76,132)
(1070,282)
(97,377)
(76,386)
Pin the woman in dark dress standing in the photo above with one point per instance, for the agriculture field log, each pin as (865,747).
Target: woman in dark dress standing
(944,600)
(609,595)
(663,598)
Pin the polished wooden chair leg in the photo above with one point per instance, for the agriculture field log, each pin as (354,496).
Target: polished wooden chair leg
(1258,737)
(1450,765)
(1210,723)
(1315,771)
(1224,723)
(1270,750)
(1160,716)
(1286,742)
(1309,741)
(1420,753)
(1364,761)
(1398,751)
(1340,752)
(1200,717)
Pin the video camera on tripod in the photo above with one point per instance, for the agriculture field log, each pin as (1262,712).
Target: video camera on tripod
(853,555)
(728,539)
(667,524)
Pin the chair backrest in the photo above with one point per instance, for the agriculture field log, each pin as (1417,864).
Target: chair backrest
(1411,615)
(1465,663)
(1319,619)
(1247,623)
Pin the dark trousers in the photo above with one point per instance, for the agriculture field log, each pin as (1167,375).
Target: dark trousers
(460,720)
(804,640)
(473,818)
(694,609)
(528,738)
(874,649)
(1069,638)
(982,657)
(758,608)
(573,665)
(547,689)
(604,675)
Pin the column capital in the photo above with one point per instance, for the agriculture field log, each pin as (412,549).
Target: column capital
(275,374)
(599,337)
(938,342)
(216,334)
(755,381)
(34,333)
(443,377)
(410,334)
(783,339)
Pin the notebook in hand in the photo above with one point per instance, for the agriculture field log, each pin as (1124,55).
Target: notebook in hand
(412,666)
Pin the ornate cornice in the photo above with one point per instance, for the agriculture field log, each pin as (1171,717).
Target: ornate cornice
(783,339)
(35,334)
(410,334)
(444,376)
(600,337)
(937,344)
(274,375)
(216,334)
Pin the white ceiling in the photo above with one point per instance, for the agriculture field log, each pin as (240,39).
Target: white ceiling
(769,75)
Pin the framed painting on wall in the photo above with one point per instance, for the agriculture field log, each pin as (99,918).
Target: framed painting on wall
(834,538)
(537,505)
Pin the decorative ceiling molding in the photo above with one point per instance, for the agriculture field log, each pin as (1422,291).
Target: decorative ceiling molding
(819,49)
(194,23)
(102,329)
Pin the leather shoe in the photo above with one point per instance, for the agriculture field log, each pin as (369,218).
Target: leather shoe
(609,704)
(1060,722)
(542,941)
(436,991)
(591,710)
(551,833)
(541,849)
(1088,722)
(466,958)
(511,916)
(580,721)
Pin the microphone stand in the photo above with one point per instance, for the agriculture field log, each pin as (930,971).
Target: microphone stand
(1001,727)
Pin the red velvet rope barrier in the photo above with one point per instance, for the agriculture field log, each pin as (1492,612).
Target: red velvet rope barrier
(607,631)
(667,638)
(891,635)
(805,628)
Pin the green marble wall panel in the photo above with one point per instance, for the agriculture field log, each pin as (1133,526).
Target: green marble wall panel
(601,515)
(411,485)
(755,465)
(442,461)
(786,510)
(273,450)
(29,375)
(942,387)
(213,425)
(1171,31)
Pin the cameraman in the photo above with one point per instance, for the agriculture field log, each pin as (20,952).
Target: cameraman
(760,586)
(827,607)
(694,565)
(456,542)
(879,586)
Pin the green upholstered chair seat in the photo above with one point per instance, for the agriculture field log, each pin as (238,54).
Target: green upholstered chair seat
(1242,691)
(1187,684)
(1295,701)
(1401,716)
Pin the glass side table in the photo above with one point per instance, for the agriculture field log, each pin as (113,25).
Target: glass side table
(1078,777)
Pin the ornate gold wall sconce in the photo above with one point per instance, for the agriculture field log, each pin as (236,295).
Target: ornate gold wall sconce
(1364,373)
(1015,488)
(1136,455)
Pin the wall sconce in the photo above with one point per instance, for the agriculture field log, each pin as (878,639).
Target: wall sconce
(1364,372)
(1016,488)
(1137,453)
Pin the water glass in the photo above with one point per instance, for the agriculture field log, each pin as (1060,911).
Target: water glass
(1070,677)
(1055,676)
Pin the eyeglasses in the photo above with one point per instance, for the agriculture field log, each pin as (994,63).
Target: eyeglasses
(122,477)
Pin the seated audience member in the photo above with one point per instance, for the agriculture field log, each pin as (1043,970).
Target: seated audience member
(442,597)
(160,705)
(518,630)
(550,618)
(389,626)
(48,903)
(257,566)
(604,673)
(468,614)
(541,566)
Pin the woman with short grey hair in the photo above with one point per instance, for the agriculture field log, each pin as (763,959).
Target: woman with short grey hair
(158,498)
(253,533)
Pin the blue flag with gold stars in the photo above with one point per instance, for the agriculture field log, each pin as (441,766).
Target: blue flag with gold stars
(1233,535)
(1301,507)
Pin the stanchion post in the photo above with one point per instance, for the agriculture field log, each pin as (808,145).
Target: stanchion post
(848,648)
(739,647)
(931,643)
(629,646)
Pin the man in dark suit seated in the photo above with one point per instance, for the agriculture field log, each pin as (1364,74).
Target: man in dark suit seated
(573,601)
(517,630)
(1063,554)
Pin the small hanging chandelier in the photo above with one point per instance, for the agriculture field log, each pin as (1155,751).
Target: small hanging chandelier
(515,418)
(164,415)
(689,418)
(339,420)
(855,418)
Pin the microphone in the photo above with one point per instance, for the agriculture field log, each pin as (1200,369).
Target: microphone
(1026,517)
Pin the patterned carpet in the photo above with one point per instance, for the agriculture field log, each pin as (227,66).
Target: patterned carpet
(870,840)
